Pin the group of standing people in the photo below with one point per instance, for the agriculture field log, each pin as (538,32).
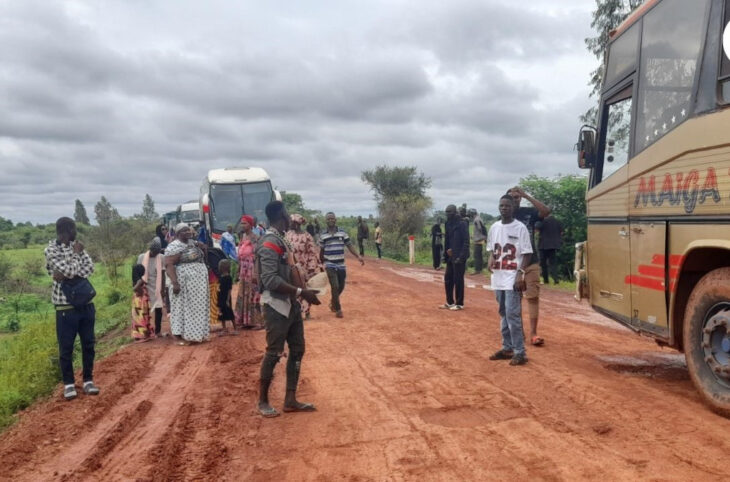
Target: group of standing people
(513,262)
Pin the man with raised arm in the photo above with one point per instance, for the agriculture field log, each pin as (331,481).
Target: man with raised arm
(528,217)
(280,287)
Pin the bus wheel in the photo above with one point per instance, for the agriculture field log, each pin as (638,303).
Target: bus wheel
(707,339)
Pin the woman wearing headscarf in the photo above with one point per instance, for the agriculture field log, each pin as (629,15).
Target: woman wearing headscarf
(248,288)
(306,253)
(154,278)
(161,233)
(189,294)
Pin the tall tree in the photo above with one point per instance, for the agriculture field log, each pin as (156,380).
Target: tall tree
(149,214)
(80,215)
(607,16)
(105,213)
(402,201)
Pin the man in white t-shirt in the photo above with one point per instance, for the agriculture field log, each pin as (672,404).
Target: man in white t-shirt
(510,252)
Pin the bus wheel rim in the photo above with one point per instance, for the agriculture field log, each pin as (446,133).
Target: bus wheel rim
(716,342)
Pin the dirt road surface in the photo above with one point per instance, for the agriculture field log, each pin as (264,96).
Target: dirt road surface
(404,392)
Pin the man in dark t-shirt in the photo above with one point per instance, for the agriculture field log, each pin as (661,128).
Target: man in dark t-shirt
(550,233)
(529,216)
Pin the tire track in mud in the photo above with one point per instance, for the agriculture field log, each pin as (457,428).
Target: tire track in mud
(119,431)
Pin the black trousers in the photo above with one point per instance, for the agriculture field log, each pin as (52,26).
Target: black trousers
(549,264)
(69,323)
(436,252)
(454,282)
(361,245)
(337,278)
(282,329)
(158,320)
(379,247)
(478,257)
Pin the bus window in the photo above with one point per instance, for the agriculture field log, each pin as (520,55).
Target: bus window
(255,198)
(227,206)
(670,47)
(618,122)
(622,56)
(725,62)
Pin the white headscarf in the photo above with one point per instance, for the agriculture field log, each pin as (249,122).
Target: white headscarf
(180,226)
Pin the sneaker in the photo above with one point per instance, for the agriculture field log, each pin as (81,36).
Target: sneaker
(69,393)
(518,360)
(457,307)
(446,306)
(90,388)
(502,355)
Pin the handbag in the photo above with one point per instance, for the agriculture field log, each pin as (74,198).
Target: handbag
(78,291)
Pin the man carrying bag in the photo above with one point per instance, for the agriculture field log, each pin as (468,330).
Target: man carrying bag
(70,267)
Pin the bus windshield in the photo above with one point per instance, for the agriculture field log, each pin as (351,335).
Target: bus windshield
(189,216)
(229,201)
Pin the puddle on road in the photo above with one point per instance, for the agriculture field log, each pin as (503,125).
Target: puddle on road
(662,366)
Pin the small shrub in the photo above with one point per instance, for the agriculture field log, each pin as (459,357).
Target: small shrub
(32,266)
(12,325)
(114,296)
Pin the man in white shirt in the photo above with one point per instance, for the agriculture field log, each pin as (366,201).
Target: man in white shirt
(510,252)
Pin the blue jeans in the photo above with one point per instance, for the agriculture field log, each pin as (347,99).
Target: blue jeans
(510,309)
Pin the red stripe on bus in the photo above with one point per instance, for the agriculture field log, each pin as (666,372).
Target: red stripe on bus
(674,259)
(650,283)
(656,271)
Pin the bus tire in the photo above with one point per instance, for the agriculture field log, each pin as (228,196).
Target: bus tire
(707,339)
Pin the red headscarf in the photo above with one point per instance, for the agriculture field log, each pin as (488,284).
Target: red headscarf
(247,219)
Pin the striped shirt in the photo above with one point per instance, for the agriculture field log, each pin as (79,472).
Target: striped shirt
(334,247)
(61,257)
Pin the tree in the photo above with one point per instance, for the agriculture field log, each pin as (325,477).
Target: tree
(105,213)
(566,196)
(402,202)
(149,214)
(5,224)
(607,17)
(295,205)
(80,213)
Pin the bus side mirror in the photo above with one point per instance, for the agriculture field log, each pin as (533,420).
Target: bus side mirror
(586,147)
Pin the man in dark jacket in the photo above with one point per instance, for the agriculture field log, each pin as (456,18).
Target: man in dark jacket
(456,246)
(283,313)
(437,243)
(363,233)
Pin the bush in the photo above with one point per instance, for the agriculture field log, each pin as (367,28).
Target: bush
(28,367)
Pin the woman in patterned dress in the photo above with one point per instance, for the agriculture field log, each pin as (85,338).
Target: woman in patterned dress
(306,253)
(248,296)
(189,295)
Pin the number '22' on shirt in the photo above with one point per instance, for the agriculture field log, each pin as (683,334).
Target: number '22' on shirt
(509,243)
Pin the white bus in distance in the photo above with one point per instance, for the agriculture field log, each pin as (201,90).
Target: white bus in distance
(189,213)
(229,193)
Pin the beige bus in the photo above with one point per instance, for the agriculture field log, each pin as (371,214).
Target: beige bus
(657,258)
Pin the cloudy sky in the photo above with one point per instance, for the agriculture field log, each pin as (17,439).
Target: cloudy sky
(126,97)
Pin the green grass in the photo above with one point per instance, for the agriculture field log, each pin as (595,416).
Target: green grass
(29,358)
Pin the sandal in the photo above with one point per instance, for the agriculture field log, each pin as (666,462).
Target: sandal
(269,412)
(537,341)
(183,343)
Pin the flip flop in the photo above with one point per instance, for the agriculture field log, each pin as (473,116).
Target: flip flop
(270,412)
(183,343)
(301,407)
(537,341)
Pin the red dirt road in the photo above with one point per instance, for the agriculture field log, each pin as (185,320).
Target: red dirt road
(404,392)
